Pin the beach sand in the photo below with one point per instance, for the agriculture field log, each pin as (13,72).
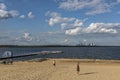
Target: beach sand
(65,69)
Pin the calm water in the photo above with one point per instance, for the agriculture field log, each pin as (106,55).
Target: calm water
(69,52)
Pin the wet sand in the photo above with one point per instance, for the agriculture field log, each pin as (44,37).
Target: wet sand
(65,69)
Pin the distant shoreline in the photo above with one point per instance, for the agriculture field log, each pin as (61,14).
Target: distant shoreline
(54,46)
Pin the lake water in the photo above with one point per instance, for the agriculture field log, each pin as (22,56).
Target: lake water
(69,52)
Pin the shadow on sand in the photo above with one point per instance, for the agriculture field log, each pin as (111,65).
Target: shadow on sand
(88,73)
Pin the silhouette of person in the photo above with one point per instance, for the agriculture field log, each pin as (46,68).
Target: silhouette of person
(54,63)
(78,68)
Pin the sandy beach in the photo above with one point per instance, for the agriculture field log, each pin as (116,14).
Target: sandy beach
(65,69)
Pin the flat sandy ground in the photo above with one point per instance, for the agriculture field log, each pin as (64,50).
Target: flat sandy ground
(65,69)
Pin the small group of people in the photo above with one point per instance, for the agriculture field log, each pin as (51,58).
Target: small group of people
(8,55)
(8,61)
(77,68)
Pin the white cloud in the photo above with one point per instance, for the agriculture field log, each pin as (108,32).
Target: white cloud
(65,22)
(27,36)
(96,28)
(5,14)
(78,23)
(74,26)
(2,6)
(93,6)
(57,20)
(66,40)
(54,21)
(103,28)
(74,31)
(22,16)
(30,15)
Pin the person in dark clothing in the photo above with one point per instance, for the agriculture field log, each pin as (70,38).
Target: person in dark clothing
(78,68)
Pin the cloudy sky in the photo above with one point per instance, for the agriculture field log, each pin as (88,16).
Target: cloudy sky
(47,22)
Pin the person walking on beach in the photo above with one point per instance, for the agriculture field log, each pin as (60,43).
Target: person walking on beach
(54,63)
(78,68)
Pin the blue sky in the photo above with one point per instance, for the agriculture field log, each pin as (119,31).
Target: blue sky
(51,22)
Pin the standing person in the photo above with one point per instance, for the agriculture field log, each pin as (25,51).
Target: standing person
(11,59)
(78,68)
(54,63)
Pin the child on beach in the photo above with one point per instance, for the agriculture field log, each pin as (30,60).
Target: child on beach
(54,63)
(78,68)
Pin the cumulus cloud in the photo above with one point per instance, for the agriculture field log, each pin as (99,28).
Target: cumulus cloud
(74,26)
(5,14)
(2,6)
(22,16)
(96,28)
(103,28)
(76,23)
(64,22)
(74,31)
(25,37)
(58,19)
(30,15)
(55,18)
(93,6)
